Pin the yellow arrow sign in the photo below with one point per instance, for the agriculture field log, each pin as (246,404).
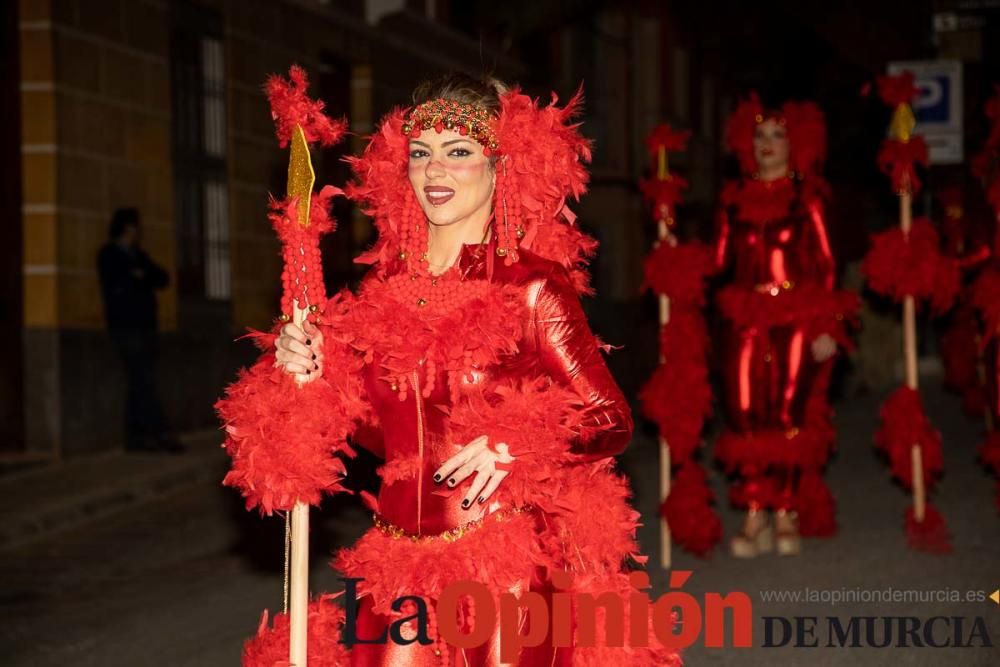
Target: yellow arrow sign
(995,596)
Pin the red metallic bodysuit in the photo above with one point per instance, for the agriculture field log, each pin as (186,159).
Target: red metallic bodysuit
(766,367)
(777,299)
(556,344)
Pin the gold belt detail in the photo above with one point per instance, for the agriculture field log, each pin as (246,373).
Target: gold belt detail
(452,534)
(774,288)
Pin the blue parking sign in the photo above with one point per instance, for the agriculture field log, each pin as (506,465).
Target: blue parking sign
(938,106)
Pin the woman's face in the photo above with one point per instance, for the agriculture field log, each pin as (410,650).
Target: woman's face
(770,146)
(452,179)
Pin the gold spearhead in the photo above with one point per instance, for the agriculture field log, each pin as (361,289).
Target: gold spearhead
(902,124)
(301,176)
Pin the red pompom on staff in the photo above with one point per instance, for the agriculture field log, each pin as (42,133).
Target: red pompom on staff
(905,264)
(677,397)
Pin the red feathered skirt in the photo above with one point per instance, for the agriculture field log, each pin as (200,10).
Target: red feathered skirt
(575,545)
(779,433)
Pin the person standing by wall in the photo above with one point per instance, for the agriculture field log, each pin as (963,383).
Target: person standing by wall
(129,280)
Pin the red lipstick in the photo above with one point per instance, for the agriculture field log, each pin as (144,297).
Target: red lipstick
(438,194)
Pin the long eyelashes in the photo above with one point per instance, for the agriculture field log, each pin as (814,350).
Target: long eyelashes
(419,154)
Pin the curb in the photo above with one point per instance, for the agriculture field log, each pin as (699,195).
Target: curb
(123,481)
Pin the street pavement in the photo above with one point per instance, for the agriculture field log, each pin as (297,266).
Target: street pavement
(179,578)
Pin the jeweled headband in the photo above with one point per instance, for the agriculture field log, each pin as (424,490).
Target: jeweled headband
(441,114)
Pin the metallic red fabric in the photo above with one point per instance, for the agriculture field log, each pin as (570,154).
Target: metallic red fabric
(773,254)
(766,369)
(557,342)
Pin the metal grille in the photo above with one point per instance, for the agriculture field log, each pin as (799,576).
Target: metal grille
(216,241)
(200,141)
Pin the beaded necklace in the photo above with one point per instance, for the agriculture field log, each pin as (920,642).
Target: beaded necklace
(416,286)
(412,319)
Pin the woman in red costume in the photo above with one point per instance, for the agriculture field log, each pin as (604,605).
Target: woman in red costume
(466,362)
(782,319)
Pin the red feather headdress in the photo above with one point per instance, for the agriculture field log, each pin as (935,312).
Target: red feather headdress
(806,133)
(541,164)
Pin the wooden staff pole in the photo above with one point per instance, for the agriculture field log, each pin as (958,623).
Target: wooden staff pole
(298,593)
(663,173)
(301,178)
(910,360)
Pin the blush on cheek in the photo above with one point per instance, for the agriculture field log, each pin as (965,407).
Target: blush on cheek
(465,171)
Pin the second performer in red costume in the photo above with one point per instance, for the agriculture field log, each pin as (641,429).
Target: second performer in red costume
(783,323)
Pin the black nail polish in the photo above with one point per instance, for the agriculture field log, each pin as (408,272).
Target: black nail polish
(309,341)
(308,372)
(314,356)
(437,478)
(465,503)
(451,482)
(482,500)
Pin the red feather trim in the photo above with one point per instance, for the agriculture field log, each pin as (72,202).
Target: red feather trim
(269,648)
(897,158)
(897,266)
(807,448)
(740,128)
(816,506)
(547,153)
(678,397)
(536,419)
(587,536)
(693,523)
(760,201)
(679,410)
(497,554)
(931,534)
(806,134)
(897,89)
(539,423)
(904,424)
(394,334)
(290,106)
(285,221)
(400,468)
(664,194)
(809,305)
(986,298)
(282,436)
(679,272)
(665,137)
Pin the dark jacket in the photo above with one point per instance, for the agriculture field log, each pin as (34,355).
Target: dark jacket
(128,280)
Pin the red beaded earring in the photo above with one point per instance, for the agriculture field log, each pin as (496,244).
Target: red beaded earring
(506,188)
(413,234)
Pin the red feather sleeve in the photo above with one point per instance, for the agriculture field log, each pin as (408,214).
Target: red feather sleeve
(283,437)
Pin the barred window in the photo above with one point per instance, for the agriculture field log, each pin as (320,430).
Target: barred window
(198,87)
